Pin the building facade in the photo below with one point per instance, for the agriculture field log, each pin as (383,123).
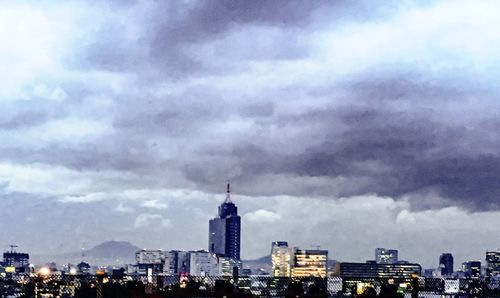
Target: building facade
(309,263)
(281,259)
(446,264)
(16,261)
(145,256)
(472,269)
(225,230)
(229,266)
(386,256)
(177,262)
(375,270)
(203,263)
(493,263)
(152,261)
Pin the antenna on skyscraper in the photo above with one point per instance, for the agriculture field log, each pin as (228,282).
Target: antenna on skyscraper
(228,192)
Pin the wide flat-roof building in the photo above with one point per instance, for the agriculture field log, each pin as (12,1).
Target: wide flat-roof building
(375,270)
(309,263)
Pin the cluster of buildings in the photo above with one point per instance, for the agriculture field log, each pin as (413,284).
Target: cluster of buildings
(296,263)
(469,269)
(221,259)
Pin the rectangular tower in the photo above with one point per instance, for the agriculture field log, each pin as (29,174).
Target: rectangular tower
(281,257)
(224,230)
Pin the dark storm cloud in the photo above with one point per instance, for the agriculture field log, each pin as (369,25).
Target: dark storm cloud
(170,36)
(405,136)
(171,29)
(22,119)
(401,130)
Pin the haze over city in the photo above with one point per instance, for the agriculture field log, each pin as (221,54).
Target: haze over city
(342,124)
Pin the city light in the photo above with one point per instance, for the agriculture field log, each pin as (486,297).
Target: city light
(44,271)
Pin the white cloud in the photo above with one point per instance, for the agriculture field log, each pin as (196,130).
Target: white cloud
(154,204)
(42,179)
(262,216)
(121,208)
(85,198)
(152,221)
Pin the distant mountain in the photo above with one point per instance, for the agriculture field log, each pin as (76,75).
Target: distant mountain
(113,250)
(115,253)
(265,260)
(260,265)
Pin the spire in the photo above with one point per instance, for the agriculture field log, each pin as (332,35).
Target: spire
(228,193)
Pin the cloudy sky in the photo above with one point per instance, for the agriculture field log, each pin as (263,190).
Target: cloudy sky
(346,124)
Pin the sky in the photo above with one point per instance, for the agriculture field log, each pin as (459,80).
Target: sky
(346,124)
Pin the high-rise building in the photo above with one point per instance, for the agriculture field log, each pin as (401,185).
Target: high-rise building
(446,264)
(472,269)
(281,258)
(203,263)
(493,263)
(16,261)
(309,262)
(225,229)
(386,256)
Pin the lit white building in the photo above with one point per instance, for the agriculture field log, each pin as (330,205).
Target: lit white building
(309,263)
(150,261)
(281,258)
(146,256)
(203,263)
(229,266)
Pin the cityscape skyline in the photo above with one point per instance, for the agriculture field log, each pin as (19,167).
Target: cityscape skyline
(221,244)
(432,262)
(349,125)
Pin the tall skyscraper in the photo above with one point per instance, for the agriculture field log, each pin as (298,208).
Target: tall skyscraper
(281,257)
(225,229)
(446,264)
(386,256)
